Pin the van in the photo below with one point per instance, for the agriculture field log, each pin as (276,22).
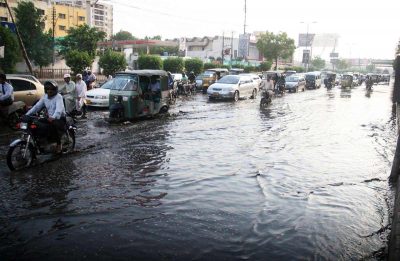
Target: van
(313,80)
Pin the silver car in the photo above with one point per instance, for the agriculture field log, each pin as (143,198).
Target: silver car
(233,87)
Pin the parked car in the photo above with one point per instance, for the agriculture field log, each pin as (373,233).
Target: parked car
(295,82)
(232,87)
(99,97)
(26,76)
(26,90)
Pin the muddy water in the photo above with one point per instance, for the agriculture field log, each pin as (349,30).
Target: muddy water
(306,178)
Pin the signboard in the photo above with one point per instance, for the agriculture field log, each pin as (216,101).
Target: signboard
(244,40)
(306,56)
(306,40)
(182,44)
(334,55)
(9,25)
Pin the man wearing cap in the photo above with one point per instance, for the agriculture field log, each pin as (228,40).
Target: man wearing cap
(68,91)
(81,89)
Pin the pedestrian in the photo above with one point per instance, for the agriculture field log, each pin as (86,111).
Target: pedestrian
(7,92)
(68,91)
(80,95)
(91,78)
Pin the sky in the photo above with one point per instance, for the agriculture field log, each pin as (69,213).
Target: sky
(366,29)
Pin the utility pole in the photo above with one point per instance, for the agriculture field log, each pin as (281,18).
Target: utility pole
(223,43)
(245,16)
(28,63)
(231,48)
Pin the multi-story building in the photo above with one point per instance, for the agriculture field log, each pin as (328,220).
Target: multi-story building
(42,5)
(101,17)
(62,17)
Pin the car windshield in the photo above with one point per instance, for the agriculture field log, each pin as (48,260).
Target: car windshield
(292,79)
(310,77)
(107,85)
(229,79)
(124,83)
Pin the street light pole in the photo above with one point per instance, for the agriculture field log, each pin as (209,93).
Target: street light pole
(308,53)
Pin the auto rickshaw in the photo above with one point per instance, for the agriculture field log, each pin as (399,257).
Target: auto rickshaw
(132,97)
(210,76)
(347,80)
(330,80)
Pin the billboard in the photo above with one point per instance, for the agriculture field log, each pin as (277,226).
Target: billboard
(182,44)
(334,55)
(9,25)
(244,40)
(306,56)
(306,40)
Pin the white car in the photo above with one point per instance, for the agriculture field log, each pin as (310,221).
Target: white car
(255,78)
(233,87)
(99,97)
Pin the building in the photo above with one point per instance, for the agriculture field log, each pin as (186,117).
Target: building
(62,17)
(42,5)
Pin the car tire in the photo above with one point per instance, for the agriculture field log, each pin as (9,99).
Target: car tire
(254,94)
(236,96)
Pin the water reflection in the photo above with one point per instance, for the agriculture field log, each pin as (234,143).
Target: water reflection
(345,93)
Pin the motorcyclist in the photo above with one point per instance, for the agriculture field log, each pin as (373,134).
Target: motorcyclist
(53,102)
(6,92)
(6,96)
(192,77)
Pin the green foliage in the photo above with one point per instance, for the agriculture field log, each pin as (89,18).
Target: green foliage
(82,38)
(30,23)
(318,63)
(156,37)
(173,64)
(370,68)
(208,66)
(249,68)
(150,62)
(298,69)
(194,65)
(12,53)
(112,62)
(342,65)
(78,60)
(277,46)
(123,35)
(265,66)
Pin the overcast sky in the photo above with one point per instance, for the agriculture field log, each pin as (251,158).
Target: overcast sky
(367,29)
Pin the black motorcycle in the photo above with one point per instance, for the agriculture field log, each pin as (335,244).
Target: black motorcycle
(36,141)
(266,98)
(369,84)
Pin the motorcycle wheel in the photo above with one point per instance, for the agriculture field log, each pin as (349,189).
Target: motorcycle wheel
(68,142)
(15,158)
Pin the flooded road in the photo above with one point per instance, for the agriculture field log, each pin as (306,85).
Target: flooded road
(305,178)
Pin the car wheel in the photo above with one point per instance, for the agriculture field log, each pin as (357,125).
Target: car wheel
(236,96)
(254,94)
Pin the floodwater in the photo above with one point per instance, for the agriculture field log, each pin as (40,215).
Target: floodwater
(305,178)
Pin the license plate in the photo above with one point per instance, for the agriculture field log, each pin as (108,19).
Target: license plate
(215,93)
(24,126)
(88,101)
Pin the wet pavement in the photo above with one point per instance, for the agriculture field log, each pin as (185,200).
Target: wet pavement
(305,178)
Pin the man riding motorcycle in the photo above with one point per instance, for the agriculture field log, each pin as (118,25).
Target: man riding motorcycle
(53,102)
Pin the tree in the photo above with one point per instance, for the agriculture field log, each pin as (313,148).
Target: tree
(12,52)
(78,61)
(342,65)
(30,22)
(265,66)
(194,65)
(82,38)
(208,66)
(277,46)
(174,65)
(123,35)
(156,37)
(150,62)
(112,62)
(318,63)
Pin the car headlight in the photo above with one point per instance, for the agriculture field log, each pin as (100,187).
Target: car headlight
(100,97)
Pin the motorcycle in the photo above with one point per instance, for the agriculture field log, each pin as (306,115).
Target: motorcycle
(266,98)
(280,88)
(368,84)
(11,114)
(34,141)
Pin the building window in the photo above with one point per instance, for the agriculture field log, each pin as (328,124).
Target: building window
(61,27)
(2,4)
(61,16)
(81,18)
(3,19)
